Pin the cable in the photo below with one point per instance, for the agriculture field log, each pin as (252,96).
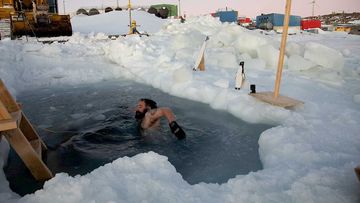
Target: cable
(64,131)
(22,12)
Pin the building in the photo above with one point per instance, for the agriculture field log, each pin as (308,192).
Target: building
(244,21)
(227,16)
(307,24)
(172,9)
(275,21)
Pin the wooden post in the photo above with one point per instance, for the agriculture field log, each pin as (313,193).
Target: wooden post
(6,121)
(202,64)
(4,114)
(129,7)
(27,153)
(7,99)
(274,98)
(282,48)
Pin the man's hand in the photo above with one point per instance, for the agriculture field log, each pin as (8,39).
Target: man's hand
(176,129)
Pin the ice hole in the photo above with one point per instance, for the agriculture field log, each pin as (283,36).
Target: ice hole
(87,126)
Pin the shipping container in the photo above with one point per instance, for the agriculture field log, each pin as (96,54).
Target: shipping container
(268,21)
(310,24)
(227,16)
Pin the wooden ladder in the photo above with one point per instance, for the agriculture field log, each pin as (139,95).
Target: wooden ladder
(22,136)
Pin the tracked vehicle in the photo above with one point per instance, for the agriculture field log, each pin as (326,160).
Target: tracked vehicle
(32,18)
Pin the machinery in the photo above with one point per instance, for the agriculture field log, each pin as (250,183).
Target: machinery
(32,17)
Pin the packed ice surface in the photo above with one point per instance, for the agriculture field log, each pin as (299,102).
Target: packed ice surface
(309,157)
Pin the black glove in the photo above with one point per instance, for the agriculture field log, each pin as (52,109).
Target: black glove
(176,130)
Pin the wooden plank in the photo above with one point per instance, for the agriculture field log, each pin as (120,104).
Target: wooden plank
(26,152)
(36,145)
(27,128)
(7,125)
(16,116)
(6,122)
(29,131)
(6,98)
(281,101)
(4,114)
(357,171)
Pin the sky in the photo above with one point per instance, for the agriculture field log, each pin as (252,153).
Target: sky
(250,8)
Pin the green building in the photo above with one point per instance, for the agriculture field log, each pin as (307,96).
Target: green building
(173,9)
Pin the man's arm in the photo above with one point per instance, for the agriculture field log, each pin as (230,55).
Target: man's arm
(154,115)
(175,128)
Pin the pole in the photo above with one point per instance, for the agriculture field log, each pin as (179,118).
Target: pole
(282,48)
(64,6)
(129,7)
(117,3)
(179,9)
(313,8)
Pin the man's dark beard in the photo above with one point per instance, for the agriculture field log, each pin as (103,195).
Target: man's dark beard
(140,115)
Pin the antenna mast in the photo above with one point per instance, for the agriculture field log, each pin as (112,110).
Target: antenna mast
(313,7)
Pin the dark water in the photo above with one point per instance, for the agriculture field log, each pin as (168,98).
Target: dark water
(88,126)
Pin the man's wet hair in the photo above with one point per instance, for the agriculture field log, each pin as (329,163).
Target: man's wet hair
(151,103)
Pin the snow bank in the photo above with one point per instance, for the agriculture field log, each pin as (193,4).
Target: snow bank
(112,183)
(297,62)
(324,56)
(308,157)
(116,22)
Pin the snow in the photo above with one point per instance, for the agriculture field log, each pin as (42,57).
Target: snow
(356,22)
(308,157)
(324,56)
(116,22)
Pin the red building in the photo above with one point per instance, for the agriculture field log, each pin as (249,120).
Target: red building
(244,20)
(310,24)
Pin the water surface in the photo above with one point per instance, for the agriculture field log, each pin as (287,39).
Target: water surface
(87,126)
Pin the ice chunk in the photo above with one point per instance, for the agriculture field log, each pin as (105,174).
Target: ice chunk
(224,58)
(247,43)
(222,83)
(298,63)
(245,56)
(293,48)
(254,64)
(324,56)
(346,52)
(183,75)
(270,55)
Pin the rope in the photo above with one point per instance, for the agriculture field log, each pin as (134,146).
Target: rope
(64,131)
(22,12)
